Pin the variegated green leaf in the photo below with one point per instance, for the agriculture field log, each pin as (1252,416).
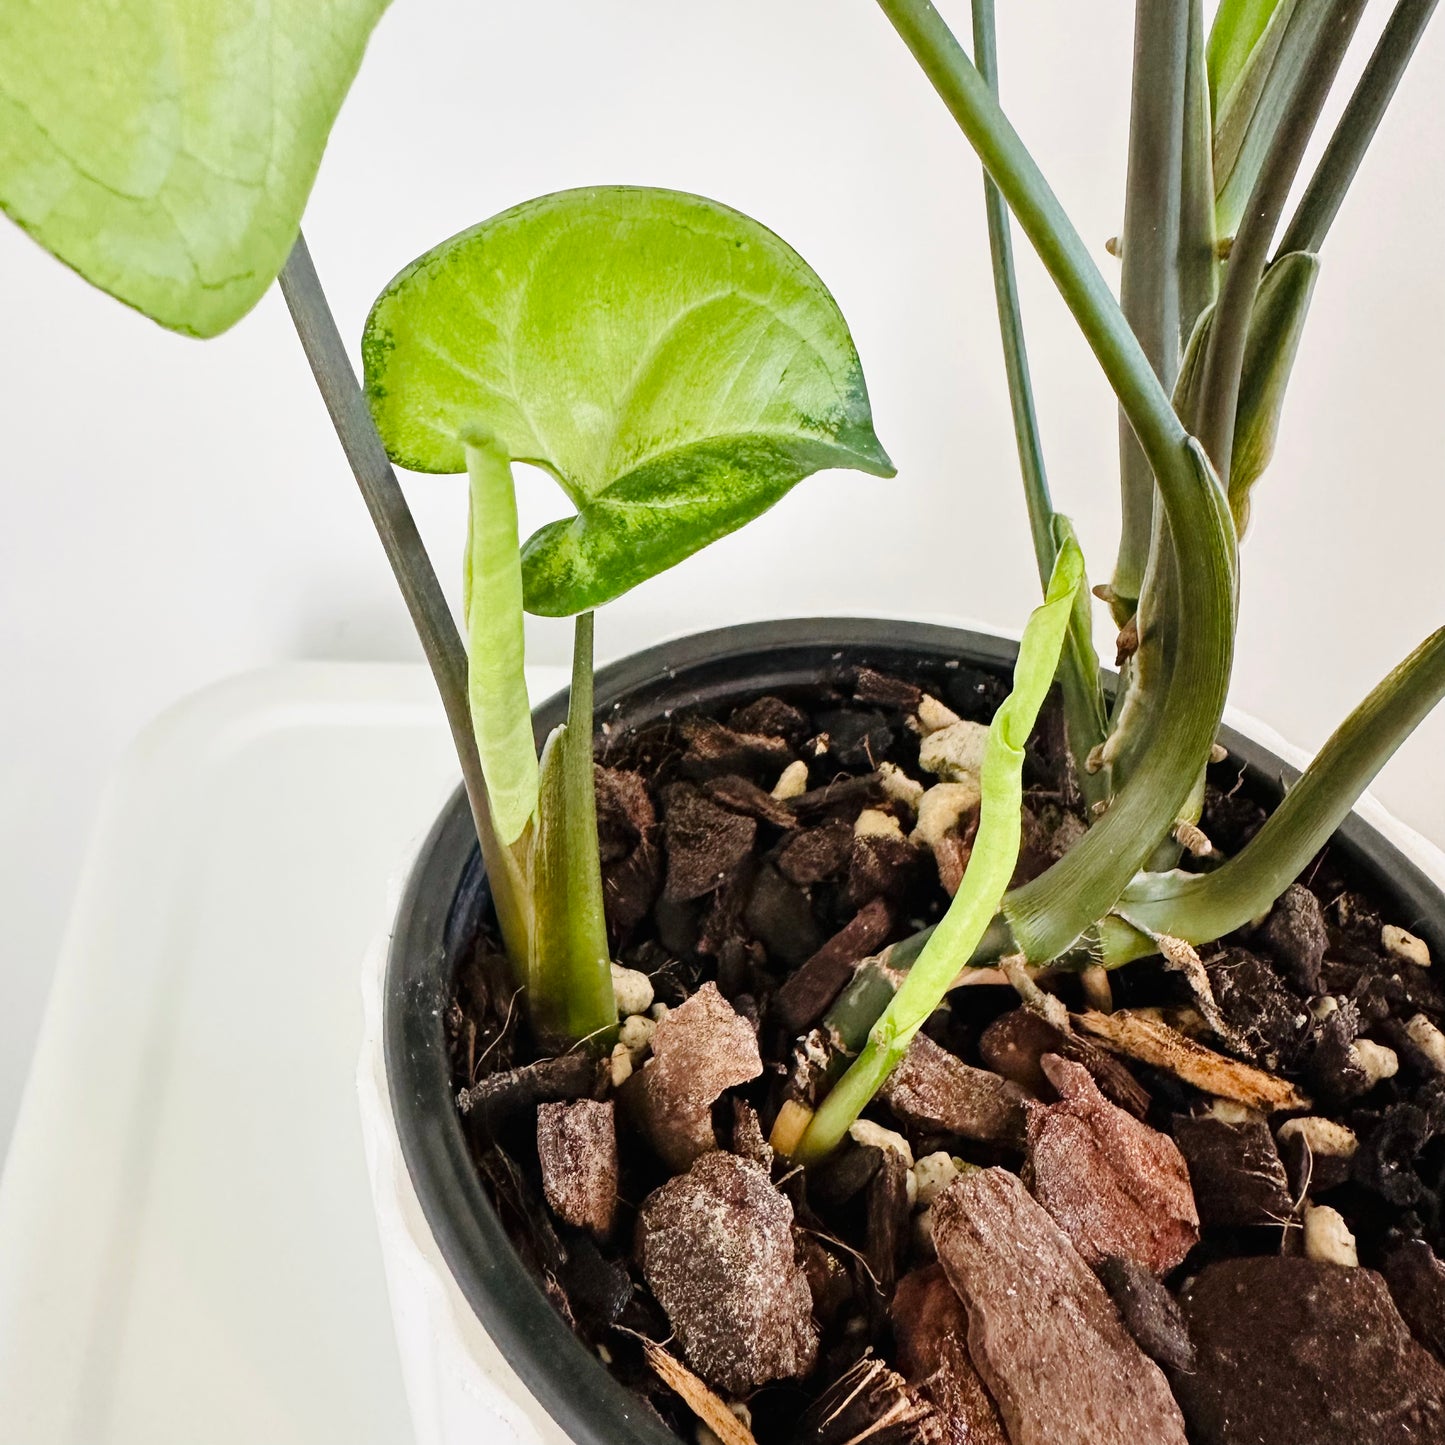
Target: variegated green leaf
(165,148)
(675,365)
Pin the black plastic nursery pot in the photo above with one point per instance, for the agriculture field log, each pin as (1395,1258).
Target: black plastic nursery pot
(446,901)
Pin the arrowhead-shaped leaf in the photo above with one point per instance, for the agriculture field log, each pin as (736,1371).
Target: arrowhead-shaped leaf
(671,362)
(165,148)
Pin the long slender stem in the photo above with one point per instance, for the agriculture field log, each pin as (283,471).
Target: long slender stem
(1149,280)
(1325,194)
(1047,915)
(1224,359)
(1079,672)
(395,526)
(1198,256)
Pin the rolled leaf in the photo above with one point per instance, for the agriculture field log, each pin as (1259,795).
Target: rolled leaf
(492,604)
(1236,30)
(165,150)
(675,365)
(1275,327)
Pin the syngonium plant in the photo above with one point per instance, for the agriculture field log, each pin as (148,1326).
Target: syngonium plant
(677,368)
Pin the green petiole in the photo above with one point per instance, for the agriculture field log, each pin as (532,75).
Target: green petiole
(995,854)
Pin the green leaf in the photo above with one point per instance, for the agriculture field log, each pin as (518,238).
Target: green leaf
(672,363)
(165,150)
(1275,326)
(1237,28)
(492,606)
(990,866)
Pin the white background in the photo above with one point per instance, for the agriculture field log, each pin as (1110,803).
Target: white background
(175,511)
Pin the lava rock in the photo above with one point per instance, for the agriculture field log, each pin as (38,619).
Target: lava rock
(780,916)
(705,843)
(1235,1170)
(1301,1352)
(935,1090)
(577,1146)
(713,749)
(1390,1150)
(699,1049)
(771,717)
(1271,1022)
(1114,1185)
(1042,1332)
(748,1141)
(740,795)
(716,1249)
(857,737)
(1148,1309)
(816,854)
(1417,1285)
(931,1328)
(1295,935)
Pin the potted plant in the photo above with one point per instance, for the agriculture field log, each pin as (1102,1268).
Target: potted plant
(997,1050)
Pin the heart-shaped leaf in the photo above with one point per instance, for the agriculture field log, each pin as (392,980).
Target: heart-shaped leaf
(671,362)
(165,148)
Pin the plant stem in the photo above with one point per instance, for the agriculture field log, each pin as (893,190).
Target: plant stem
(1149,279)
(395,526)
(1334,24)
(1048,915)
(1079,672)
(1202,907)
(1198,235)
(1323,197)
(570,969)
(995,855)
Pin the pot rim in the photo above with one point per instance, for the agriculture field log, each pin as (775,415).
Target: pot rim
(446,889)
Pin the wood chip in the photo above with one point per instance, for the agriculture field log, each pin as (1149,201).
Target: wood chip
(696,1396)
(1114,1185)
(934,1089)
(1042,1332)
(1153,1042)
(805,996)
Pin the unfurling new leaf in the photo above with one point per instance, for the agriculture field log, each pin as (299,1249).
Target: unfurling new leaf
(675,365)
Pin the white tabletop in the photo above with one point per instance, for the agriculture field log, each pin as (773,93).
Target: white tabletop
(188,1250)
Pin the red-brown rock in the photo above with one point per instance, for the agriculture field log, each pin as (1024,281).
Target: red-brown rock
(1042,1333)
(716,1248)
(934,1089)
(577,1144)
(701,1048)
(931,1328)
(1114,1185)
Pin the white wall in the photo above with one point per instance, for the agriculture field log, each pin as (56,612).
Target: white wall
(177,511)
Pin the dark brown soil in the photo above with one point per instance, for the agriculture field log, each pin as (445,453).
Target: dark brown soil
(758,902)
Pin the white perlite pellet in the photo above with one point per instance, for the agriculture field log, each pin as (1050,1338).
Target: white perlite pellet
(635,1035)
(621,1065)
(898,787)
(954,753)
(932,1175)
(1375,1061)
(1230,1111)
(793,783)
(1322,1136)
(1405,946)
(942,806)
(1429,1040)
(875,1136)
(933,716)
(633,989)
(1328,1237)
(875,823)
